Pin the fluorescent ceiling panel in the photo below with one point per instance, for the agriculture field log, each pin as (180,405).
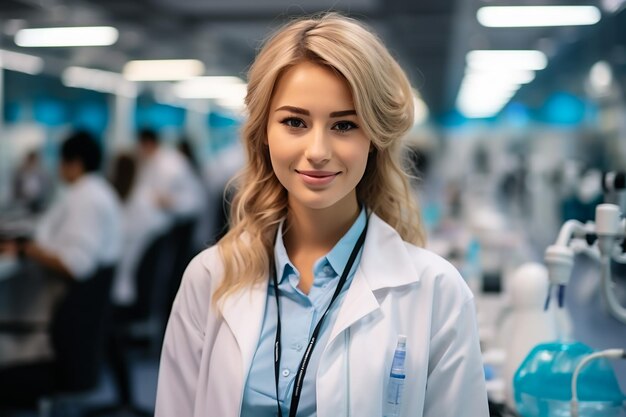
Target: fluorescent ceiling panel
(67,36)
(537,16)
(16,61)
(163,69)
(506,59)
(226,88)
(98,80)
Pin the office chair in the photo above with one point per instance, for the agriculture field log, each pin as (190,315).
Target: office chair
(182,233)
(157,278)
(77,332)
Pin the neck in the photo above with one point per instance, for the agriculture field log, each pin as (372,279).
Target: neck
(73,179)
(317,231)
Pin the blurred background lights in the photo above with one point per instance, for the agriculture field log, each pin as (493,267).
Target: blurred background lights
(67,36)
(601,76)
(537,16)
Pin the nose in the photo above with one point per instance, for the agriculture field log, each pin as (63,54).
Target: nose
(318,148)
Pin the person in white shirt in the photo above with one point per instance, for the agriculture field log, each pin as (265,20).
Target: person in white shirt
(81,231)
(168,178)
(78,234)
(166,191)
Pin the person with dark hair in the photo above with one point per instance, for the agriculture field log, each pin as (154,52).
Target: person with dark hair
(81,231)
(77,235)
(186,149)
(165,191)
(82,147)
(146,136)
(123,175)
(167,177)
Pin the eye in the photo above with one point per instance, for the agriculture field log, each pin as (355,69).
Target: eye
(293,122)
(344,126)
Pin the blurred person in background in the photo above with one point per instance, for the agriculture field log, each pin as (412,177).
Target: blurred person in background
(31,184)
(164,192)
(167,177)
(78,234)
(185,147)
(122,176)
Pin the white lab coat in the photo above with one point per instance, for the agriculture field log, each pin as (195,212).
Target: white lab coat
(397,289)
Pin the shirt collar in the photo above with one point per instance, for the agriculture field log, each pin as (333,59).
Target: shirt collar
(337,258)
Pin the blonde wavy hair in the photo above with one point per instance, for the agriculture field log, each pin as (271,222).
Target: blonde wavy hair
(383,99)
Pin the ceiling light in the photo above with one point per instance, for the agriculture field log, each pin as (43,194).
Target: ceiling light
(601,76)
(162,69)
(98,80)
(535,16)
(228,88)
(481,97)
(613,6)
(15,61)
(67,36)
(506,59)
(509,76)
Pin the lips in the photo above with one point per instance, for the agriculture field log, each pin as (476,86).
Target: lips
(317,177)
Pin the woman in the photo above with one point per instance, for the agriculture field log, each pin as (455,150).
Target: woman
(323,220)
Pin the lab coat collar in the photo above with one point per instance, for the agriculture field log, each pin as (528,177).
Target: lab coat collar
(385,263)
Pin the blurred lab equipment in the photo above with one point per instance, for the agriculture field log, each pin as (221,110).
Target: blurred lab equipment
(544,380)
(527,323)
(31,184)
(600,239)
(554,379)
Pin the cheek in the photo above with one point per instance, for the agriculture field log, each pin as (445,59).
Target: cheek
(357,158)
(279,152)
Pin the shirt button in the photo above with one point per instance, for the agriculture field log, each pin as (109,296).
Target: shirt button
(286,372)
(298,347)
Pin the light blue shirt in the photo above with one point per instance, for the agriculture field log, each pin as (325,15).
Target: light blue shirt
(299,314)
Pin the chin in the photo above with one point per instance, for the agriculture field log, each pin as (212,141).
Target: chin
(317,202)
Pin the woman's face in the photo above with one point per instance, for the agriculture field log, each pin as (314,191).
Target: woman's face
(317,146)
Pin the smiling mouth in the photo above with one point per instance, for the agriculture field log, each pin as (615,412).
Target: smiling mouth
(318,174)
(317,178)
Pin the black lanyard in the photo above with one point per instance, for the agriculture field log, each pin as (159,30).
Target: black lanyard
(304,363)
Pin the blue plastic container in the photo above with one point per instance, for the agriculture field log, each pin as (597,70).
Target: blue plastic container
(542,383)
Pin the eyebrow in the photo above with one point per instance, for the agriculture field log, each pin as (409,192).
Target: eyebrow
(299,110)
